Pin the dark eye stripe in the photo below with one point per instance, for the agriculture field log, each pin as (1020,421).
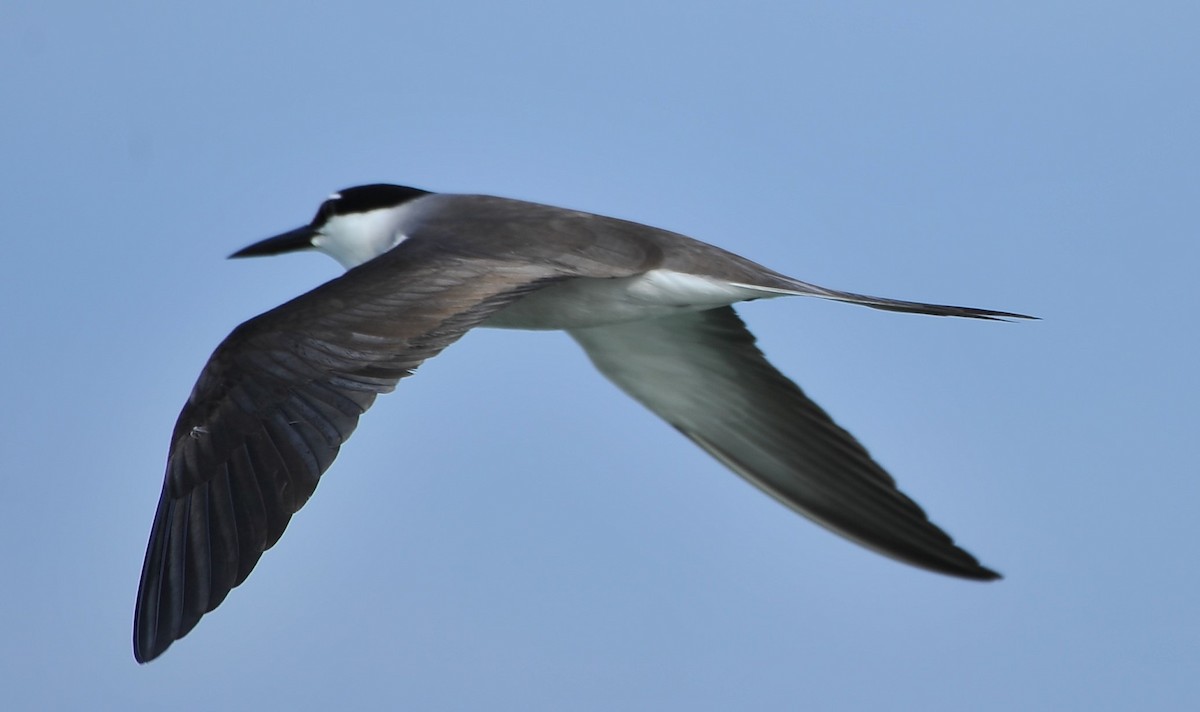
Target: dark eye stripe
(327,210)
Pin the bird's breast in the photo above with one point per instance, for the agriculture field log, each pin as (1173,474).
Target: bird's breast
(585,302)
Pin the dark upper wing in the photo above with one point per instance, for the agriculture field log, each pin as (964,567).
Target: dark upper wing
(702,373)
(283,392)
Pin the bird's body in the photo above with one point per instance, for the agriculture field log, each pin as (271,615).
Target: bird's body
(651,308)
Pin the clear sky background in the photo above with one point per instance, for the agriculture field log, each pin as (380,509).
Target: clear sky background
(507,531)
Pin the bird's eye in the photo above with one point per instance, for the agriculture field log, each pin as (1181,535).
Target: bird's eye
(326,211)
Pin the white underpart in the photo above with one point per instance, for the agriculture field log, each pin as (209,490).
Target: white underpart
(582,303)
(358,237)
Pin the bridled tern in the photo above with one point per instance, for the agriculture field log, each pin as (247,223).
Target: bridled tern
(650,307)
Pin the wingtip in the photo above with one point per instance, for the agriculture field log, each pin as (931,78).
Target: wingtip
(985,314)
(973,571)
(147,646)
(1014,318)
(986,574)
(145,651)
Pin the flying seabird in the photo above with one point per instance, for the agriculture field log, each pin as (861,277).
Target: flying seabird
(651,308)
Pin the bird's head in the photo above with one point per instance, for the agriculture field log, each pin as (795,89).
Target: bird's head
(352,226)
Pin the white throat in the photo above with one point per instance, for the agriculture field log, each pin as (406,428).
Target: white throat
(360,237)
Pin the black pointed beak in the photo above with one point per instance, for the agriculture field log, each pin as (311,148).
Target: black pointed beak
(299,239)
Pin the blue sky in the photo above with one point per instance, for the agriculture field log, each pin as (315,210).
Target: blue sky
(509,532)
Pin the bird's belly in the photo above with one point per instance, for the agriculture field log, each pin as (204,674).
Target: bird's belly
(581,303)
